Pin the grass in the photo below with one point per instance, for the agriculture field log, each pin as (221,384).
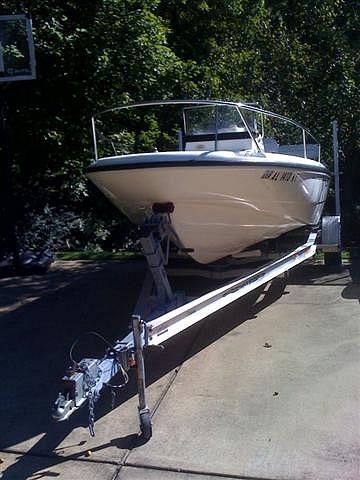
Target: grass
(90,255)
(345,255)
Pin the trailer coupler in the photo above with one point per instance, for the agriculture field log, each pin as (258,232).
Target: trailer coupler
(84,380)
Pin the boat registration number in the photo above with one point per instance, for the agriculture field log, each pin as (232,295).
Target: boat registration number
(279,176)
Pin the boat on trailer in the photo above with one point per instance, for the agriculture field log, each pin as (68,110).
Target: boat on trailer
(234,181)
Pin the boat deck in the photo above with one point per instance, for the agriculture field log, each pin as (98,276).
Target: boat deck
(264,391)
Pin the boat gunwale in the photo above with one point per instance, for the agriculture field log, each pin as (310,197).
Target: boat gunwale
(121,165)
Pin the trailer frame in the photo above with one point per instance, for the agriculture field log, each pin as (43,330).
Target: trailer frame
(170,314)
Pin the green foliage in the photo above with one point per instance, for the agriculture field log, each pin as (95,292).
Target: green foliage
(62,230)
(96,255)
(300,59)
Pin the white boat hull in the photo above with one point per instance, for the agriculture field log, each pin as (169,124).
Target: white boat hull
(220,210)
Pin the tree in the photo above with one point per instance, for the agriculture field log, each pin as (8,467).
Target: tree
(112,51)
(299,59)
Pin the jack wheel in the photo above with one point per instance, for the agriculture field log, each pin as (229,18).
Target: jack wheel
(145,425)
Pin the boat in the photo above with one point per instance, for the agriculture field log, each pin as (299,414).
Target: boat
(233,176)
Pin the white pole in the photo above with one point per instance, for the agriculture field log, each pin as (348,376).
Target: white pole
(336,167)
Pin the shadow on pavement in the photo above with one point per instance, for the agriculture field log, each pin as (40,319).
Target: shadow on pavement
(35,340)
(352,290)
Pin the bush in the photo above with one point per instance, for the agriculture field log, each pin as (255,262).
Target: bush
(65,230)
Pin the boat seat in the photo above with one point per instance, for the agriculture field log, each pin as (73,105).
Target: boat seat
(226,140)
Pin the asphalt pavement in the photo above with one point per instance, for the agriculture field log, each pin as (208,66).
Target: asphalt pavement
(259,391)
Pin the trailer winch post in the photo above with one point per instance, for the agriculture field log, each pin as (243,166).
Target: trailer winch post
(139,331)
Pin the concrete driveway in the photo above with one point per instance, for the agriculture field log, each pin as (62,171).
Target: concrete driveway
(267,391)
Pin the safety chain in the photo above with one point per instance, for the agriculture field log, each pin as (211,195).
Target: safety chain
(93,396)
(115,388)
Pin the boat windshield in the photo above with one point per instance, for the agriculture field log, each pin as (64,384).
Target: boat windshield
(209,119)
(217,127)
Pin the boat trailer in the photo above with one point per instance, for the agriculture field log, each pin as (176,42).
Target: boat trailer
(159,315)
